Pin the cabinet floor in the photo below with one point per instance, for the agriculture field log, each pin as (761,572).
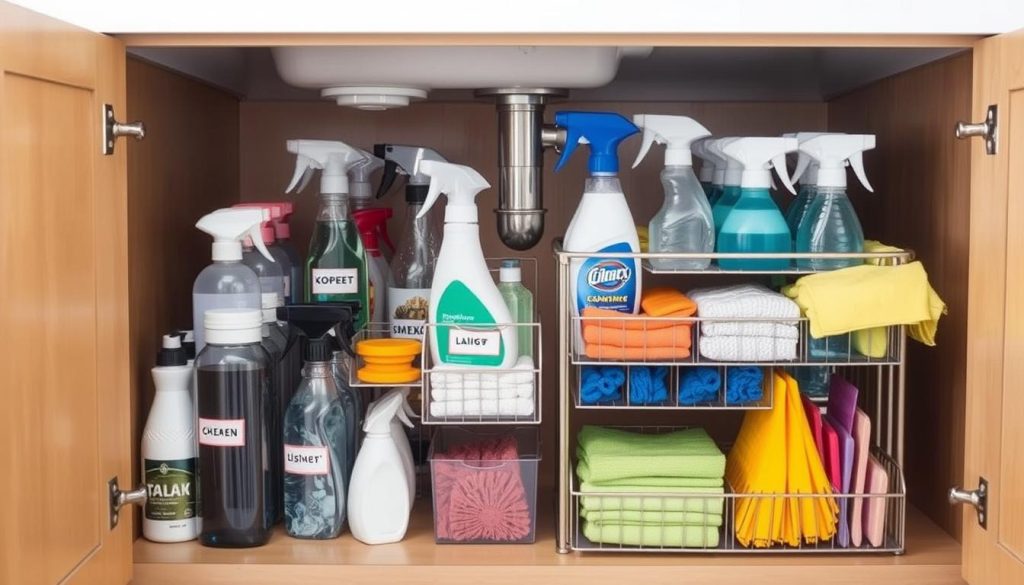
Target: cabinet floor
(933,558)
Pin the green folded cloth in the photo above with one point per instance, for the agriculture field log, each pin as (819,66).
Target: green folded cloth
(583,471)
(611,454)
(636,518)
(670,536)
(705,502)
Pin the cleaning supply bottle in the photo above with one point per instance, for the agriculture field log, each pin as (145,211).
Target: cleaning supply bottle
(806,172)
(412,267)
(169,450)
(227,283)
(233,383)
(732,171)
(340,364)
(831,224)
(336,268)
(270,271)
(282,262)
(316,437)
(275,343)
(602,222)
(402,420)
(378,500)
(519,300)
(684,222)
(707,168)
(718,175)
(755,225)
(465,303)
(369,221)
(283,242)
(361,189)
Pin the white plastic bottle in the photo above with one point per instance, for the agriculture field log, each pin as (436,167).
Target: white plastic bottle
(227,283)
(378,498)
(684,223)
(169,451)
(463,292)
(402,440)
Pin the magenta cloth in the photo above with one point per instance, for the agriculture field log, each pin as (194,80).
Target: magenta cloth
(479,493)
(842,402)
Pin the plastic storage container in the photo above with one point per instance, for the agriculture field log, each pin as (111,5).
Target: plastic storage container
(492,500)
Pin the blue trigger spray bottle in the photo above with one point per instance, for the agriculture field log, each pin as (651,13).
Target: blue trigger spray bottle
(602,222)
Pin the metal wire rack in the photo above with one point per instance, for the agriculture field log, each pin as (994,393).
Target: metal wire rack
(874,362)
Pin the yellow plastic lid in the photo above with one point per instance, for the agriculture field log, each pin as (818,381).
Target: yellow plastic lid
(372,375)
(389,347)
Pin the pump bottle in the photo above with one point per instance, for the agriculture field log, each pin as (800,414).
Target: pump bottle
(283,242)
(412,268)
(466,304)
(369,221)
(602,222)
(169,459)
(831,224)
(684,222)
(316,437)
(378,500)
(336,268)
(755,225)
(227,283)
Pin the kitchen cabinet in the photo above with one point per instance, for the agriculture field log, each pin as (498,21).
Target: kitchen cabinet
(98,257)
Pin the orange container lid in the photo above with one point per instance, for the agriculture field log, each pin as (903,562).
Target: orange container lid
(372,375)
(389,347)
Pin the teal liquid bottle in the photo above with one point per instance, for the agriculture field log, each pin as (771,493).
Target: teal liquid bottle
(755,225)
(723,205)
(336,266)
(714,193)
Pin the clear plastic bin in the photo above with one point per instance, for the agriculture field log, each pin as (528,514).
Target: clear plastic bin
(484,501)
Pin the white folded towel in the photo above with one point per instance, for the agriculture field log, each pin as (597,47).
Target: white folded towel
(449,377)
(507,391)
(513,407)
(731,348)
(749,328)
(744,301)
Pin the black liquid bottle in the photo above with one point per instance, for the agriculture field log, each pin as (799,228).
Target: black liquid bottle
(233,379)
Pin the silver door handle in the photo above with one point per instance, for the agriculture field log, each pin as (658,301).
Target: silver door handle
(112,129)
(989,129)
(978,499)
(120,499)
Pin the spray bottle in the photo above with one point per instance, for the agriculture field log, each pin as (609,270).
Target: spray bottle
(360,186)
(699,148)
(755,225)
(466,303)
(370,222)
(283,242)
(378,500)
(227,283)
(807,173)
(412,268)
(684,222)
(602,222)
(169,450)
(831,224)
(336,266)
(403,418)
(731,176)
(273,275)
(316,449)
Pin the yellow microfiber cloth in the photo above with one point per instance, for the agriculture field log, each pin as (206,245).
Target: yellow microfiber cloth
(814,517)
(863,297)
(876,247)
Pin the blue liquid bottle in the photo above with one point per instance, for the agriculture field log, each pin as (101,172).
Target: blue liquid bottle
(755,225)
(729,190)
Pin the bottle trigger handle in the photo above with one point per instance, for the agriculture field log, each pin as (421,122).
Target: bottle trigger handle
(572,140)
(650,137)
(779,163)
(303,173)
(802,162)
(857,162)
(256,234)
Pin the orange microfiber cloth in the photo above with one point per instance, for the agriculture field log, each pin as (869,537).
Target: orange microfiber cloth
(663,301)
(616,320)
(678,336)
(636,354)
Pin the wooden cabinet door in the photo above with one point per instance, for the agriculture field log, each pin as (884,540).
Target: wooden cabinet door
(64,403)
(995,348)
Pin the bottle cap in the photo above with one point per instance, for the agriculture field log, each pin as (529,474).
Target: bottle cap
(233,326)
(172,353)
(188,342)
(510,271)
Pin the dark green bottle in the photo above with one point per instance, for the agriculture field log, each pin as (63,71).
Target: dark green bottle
(336,266)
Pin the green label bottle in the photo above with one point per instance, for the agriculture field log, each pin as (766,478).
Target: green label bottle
(336,268)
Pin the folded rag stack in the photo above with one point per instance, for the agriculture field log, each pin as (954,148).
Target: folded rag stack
(746,323)
(479,494)
(775,453)
(456,393)
(682,471)
(661,332)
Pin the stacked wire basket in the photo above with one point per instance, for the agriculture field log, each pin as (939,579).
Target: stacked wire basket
(877,371)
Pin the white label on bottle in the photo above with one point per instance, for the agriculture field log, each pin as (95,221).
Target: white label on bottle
(407,311)
(222,433)
(306,460)
(335,281)
(461,342)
